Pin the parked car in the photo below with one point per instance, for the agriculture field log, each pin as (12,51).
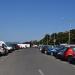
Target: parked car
(15,46)
(21,46)
(35,46)
(3,48)
(46,49)
(9,47)
(60,53)
(54,50)
(68,54)
(40,47)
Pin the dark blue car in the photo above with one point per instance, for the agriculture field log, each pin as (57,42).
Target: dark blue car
(55,50)
(46,49)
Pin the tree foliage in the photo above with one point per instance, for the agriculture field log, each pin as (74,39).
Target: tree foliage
(61,37)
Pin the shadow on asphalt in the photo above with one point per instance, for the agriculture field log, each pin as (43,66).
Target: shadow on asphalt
(73,63)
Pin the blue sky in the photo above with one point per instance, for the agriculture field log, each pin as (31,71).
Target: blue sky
(23,20)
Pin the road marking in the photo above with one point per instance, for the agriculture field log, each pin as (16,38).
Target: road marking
(40,71)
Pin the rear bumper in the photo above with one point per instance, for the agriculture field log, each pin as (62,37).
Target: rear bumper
(73,58)
(60,57)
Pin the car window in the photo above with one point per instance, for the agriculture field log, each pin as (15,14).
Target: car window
(74,49)
(65,49)
(5,45)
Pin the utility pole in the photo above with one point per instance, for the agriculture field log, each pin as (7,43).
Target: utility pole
(42,41)
(47,39)
(69,40)
(54,39)
(50,38)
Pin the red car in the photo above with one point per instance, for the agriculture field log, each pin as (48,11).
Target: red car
(69,54)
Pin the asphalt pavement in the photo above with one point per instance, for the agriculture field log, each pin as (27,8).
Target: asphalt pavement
(31,61)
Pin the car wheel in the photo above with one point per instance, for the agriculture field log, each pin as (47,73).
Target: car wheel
(0,54)
(51,53)
(45,52)
(40,49)
(69,59)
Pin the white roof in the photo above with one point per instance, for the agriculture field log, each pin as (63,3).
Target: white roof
(2,42)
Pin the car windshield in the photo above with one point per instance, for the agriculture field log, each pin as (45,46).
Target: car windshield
(5,45)
(9,44)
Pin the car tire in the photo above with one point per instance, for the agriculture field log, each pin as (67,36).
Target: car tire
(45,52)
(6,53)
(0,54)
(51,53)
(69,59)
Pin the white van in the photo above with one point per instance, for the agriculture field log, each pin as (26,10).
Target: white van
(23,45)
(3,48)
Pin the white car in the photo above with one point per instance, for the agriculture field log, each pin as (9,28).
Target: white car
(24,45)
(3,50)
(9,49)
(35,46)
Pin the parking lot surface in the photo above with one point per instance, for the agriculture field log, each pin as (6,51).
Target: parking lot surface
(31,61)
